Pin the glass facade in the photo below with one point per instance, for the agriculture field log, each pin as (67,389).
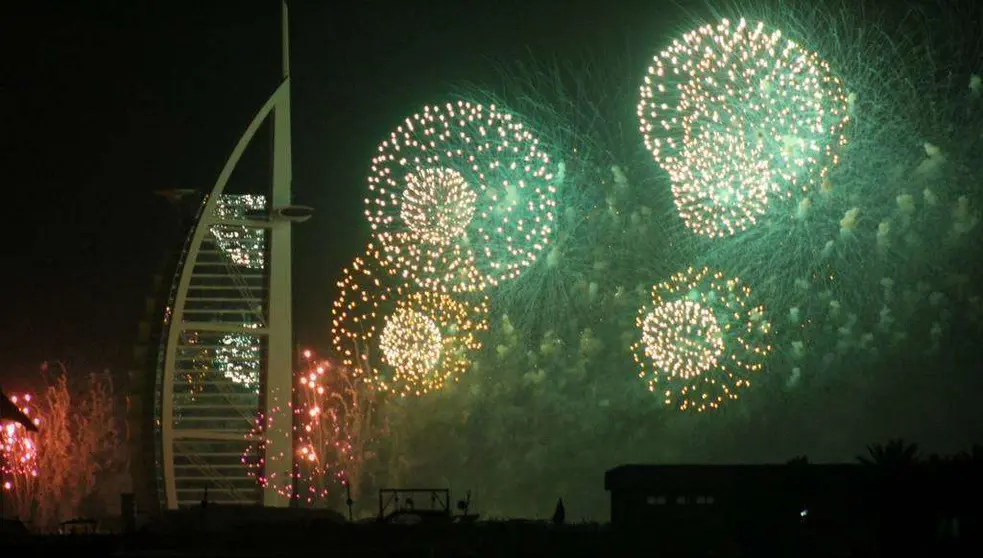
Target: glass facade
(213,355)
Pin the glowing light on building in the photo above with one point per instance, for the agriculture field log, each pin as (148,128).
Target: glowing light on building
(239,358)
(245,245)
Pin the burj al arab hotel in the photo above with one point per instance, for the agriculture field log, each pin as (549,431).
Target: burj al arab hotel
(222,346)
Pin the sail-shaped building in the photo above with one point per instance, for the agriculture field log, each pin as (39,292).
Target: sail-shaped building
(222,352)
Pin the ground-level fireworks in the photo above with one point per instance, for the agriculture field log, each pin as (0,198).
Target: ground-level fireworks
(18,447)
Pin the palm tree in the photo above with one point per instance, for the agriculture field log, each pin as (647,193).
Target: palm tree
(798,460)
(899,494)
(894,454)
(971,458)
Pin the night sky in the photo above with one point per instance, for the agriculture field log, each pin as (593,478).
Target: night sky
(105,102)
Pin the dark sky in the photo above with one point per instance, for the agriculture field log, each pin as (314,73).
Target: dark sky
(104,102)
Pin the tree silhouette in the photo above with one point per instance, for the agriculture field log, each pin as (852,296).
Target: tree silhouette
(798,460)
(901,497)
(894,453)
(971,458)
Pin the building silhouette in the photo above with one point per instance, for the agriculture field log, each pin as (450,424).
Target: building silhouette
(816,509)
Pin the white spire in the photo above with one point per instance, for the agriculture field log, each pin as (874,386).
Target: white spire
(285,37)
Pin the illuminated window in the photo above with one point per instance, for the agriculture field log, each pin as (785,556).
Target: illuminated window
(680,500)
(655,500)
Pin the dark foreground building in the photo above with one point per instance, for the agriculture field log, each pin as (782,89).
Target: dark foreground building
(825,510)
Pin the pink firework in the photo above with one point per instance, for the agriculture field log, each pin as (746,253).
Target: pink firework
(19,447)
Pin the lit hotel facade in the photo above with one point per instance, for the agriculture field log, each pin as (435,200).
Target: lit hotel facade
(221,353)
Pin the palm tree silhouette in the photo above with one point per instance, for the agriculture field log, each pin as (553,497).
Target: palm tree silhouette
(899,495)
(893,454)
(971,458)
(798,460)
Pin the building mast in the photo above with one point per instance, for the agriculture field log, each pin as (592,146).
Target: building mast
(278,390)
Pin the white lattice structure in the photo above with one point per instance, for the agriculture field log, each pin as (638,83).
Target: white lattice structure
(226,350)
